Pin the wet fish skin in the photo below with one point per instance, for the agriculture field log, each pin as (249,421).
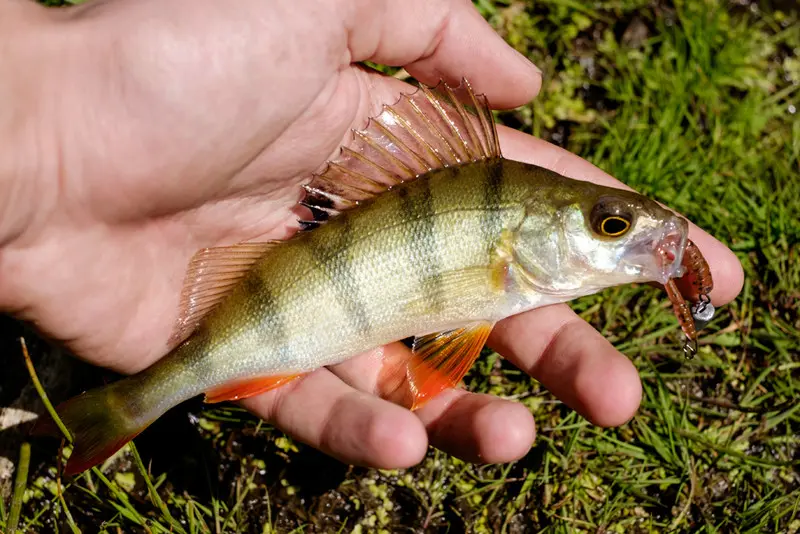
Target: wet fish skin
(389,270)
(465,244)
(416,261)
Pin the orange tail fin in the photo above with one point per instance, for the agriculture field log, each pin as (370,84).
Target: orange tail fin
(98,425)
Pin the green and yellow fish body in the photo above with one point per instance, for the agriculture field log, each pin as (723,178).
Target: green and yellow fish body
(422,229)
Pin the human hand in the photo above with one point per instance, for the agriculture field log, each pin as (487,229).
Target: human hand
(186,124)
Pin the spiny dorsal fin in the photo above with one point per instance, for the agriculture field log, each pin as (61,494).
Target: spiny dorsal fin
(429,129)
(211,276)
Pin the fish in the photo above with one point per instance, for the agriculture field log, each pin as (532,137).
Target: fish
(420,228)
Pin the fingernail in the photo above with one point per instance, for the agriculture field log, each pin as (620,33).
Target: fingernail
(528,62)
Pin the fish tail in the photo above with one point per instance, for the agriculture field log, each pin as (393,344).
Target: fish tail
(100,423)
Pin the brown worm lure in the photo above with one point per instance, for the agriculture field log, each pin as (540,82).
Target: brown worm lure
(693,318)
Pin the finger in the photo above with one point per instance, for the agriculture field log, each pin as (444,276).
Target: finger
(575,362)
(354,427)
(726,270)
(444,39)
(477,428)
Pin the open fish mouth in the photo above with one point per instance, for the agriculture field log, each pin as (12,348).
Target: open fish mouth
(670,247)
(658,256)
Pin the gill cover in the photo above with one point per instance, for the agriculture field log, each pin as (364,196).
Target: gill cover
(582,237)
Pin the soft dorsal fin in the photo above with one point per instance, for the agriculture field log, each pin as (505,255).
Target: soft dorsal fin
(429,129)
(211,276)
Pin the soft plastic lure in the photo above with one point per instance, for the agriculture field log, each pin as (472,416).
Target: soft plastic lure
(702,311)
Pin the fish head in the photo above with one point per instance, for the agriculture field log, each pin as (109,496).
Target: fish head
(582,238)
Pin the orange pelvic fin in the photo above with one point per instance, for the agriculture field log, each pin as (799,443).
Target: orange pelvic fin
(247,388)
(211,276)
(439,361)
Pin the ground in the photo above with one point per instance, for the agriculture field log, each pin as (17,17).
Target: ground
(692,102)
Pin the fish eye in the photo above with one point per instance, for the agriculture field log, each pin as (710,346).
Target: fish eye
(614,226)
(611,219)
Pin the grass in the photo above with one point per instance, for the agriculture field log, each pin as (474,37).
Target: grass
(694,103)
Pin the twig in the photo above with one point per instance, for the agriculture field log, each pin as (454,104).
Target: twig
(731,406)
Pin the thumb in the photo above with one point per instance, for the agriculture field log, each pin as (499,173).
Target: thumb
(445,39)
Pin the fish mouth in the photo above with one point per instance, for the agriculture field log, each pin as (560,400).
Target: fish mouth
(658,255)
(670,246)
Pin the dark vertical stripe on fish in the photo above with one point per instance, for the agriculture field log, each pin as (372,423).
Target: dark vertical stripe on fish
(492,221)
(417,209)
(264,306)
(332,259)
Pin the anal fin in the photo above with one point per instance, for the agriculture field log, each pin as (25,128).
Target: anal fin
(250,387)
(212,275)
(439,361)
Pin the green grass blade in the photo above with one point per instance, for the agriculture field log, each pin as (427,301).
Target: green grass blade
(152,491)
(40,390)
(20,482)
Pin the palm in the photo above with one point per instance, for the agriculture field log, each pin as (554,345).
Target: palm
(137,262)
(195,137)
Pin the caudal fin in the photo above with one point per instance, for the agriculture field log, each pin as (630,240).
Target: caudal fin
(99,426)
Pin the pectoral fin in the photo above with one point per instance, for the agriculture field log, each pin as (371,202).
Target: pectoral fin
(439,361)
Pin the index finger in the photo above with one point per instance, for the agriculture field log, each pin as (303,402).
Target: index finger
(573,361)
(444,39)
